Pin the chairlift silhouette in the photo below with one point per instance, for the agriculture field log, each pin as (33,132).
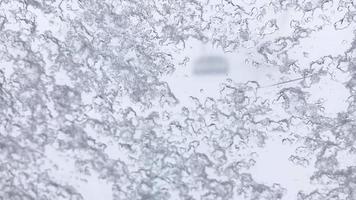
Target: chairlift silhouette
(211,65)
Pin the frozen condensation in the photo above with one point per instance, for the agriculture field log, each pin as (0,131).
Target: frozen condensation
(177,99)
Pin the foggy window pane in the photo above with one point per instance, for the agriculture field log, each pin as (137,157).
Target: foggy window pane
(171,100)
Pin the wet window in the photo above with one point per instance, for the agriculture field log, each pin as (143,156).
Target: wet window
(170,100)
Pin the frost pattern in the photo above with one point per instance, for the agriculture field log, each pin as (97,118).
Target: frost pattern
(83,99)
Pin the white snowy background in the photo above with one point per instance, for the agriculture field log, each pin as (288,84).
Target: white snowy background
(186,99)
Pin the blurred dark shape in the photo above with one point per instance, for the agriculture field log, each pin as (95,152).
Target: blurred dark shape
(211,65)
